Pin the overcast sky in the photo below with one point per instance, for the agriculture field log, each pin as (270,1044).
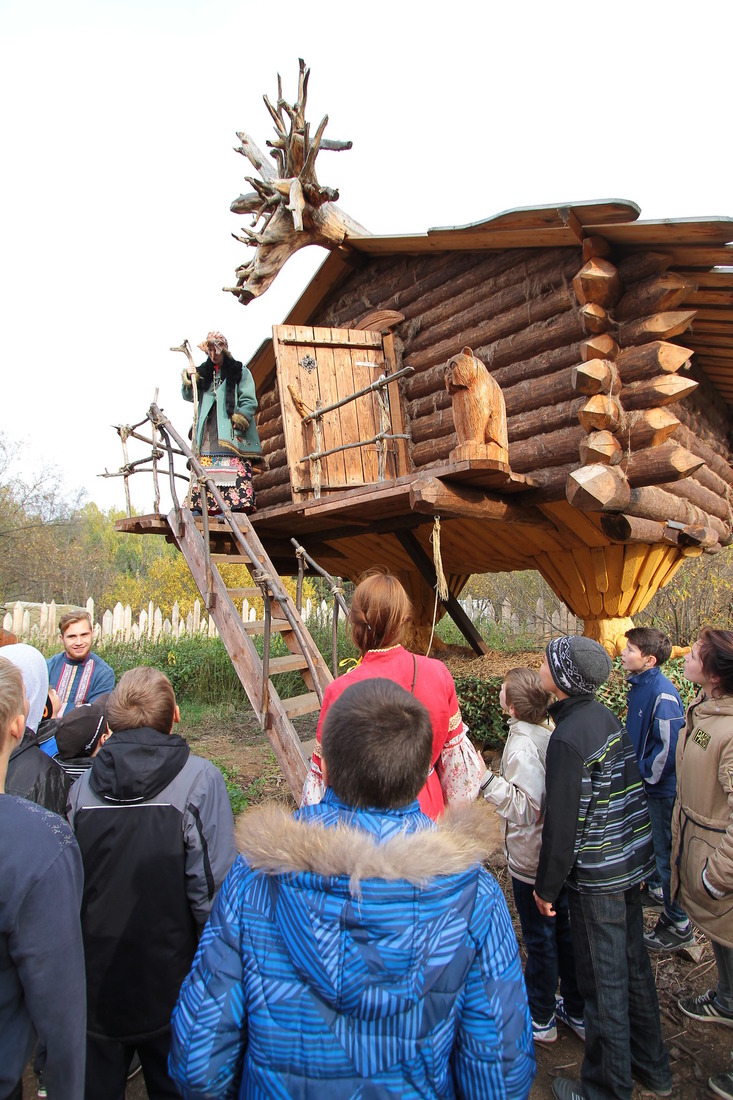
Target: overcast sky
(119,120)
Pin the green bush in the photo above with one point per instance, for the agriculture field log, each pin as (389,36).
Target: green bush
(479,702)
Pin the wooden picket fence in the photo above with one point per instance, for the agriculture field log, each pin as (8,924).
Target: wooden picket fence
(34,622)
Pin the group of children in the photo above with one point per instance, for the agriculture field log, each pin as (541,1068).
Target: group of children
(655,715)
(355,944)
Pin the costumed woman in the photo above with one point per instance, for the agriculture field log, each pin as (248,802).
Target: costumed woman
(226,436)
(379,610)
(702,825)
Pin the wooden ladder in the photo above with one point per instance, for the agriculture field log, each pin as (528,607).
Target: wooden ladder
(281,617)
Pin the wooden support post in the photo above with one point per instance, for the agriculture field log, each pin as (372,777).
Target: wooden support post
(427,570)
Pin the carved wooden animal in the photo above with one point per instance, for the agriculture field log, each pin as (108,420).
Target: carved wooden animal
(479,412)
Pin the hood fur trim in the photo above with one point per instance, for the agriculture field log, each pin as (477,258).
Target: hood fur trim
(273,842)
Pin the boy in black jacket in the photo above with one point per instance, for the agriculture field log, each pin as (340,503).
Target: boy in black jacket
(597,838)
(156,834)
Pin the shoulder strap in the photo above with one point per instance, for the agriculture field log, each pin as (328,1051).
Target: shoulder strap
(414,675)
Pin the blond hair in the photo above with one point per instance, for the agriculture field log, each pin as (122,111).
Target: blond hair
(143,697)
(524,692)
(72,617)
(379,609)
(12,691)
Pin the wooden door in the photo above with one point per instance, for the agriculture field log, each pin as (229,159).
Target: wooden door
(322,367)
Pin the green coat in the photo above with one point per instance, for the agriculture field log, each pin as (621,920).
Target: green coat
(245,443)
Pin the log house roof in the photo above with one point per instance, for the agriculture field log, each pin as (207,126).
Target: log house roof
(700,248)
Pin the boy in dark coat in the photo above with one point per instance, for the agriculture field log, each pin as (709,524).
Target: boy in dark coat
(41,974)
(597,839)
(156,834)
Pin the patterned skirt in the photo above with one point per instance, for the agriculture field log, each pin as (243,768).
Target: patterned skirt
(233,478)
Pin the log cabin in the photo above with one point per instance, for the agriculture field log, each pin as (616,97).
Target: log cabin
(547,389)
(611,341)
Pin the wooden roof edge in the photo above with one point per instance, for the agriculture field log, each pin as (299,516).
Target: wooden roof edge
(553,215)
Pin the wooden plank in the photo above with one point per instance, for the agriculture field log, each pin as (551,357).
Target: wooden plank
(291,662)
(345,386)
(367,419)
(402,463)
(614,566)
(334,467)
(278,626)
(320,339)
(301,704)
(295,444)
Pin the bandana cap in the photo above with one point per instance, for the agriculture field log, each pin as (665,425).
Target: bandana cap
(214,340)
(78,732)
(578,665)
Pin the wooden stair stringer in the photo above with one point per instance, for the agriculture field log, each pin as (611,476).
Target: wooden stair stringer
(244,656)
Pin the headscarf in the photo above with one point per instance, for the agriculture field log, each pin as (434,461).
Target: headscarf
(214,340)
(33,667)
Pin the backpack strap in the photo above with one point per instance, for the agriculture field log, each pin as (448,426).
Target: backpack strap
(414,675)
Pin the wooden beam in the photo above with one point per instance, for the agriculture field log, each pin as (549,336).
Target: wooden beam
(427,570)
(433,496)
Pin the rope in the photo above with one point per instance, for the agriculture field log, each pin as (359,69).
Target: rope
(435,616)
(441,583)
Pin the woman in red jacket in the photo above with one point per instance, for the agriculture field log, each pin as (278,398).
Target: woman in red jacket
(379,610)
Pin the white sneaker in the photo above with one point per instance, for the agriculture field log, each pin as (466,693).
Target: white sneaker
(544,1033)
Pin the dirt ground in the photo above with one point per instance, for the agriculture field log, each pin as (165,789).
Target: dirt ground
(236,744)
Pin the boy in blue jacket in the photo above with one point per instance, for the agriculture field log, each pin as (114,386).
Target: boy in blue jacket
(357,949)
(654,719)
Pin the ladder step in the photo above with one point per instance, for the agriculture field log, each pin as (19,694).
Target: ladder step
(290,663)
(250,593)
(301,704)
(277,626)
(230,559)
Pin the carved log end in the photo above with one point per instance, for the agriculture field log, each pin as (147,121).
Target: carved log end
(592,377)
(600,413)
(597,283)
(598,488)
(601,447)
(599,347)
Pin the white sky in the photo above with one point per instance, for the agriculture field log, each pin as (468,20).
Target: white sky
(119,119)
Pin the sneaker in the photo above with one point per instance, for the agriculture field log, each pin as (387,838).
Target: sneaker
(41,1086)
(575,1023)
(705,1007)
(722,1085)
(544,1033)
(564,1088)
(666,936)
(652,897)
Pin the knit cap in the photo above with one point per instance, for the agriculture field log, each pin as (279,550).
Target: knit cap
(578,665)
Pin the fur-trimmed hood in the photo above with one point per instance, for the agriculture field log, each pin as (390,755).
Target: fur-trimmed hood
(275,842)
(359,897)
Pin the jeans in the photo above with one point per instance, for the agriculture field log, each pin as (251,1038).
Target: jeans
(108,1061)
(724,959)
(660,813)
(549,943)
(622,1027)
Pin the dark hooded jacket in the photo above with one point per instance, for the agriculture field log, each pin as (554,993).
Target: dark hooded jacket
(156,834)
(32,774)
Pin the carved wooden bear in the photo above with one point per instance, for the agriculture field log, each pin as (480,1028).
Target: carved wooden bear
(479,412)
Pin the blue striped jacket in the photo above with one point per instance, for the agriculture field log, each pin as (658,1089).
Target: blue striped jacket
(355,954)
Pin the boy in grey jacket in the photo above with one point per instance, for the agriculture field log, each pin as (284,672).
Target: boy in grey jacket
(518,793)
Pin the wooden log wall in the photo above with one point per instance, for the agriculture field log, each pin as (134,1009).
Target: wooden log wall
(589,352)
